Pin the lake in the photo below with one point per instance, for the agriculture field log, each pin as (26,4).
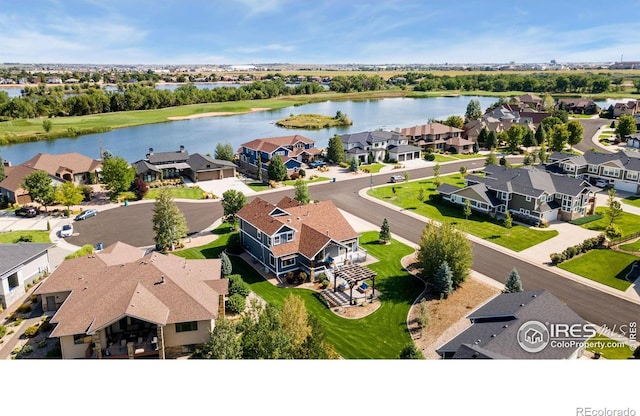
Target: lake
(201,135)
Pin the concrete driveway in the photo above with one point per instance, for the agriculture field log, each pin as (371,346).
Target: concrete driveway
(568,235)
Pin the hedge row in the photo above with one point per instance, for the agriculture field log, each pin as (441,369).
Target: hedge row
(11,138)
(570,252)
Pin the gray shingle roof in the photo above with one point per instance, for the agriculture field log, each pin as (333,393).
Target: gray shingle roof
(405,148)
(368,137)
(199,162)
(494,331)
(166,157)
(13,255)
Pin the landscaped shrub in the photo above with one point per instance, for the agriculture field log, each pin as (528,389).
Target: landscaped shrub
(3,331)
(234,245)
(42,343)
(25,308)
(32,331)
(236,303)
(430,157)
(45,326)
(343,165)
(324,283)
(238,286)
(55,352)
(26,350)
(570,252)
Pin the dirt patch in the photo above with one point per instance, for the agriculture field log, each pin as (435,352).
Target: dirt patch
(214,114)
(447,316)
(357,312)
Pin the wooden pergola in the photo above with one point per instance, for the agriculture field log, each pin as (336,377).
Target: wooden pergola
(353,274)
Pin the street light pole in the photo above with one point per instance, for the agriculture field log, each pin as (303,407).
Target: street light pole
(371,181)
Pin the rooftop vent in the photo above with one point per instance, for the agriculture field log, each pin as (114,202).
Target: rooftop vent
(506,326)
(522,304)
(298,218)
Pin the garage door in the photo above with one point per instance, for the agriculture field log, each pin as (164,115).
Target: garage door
(626,186)
(550,215)
(228,173)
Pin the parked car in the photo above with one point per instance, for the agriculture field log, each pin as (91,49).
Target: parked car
(86,214)
(396,178)
(316,164)
(28,212)
(67,231)
(601,183)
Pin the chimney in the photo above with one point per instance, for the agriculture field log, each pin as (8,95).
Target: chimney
(181,149)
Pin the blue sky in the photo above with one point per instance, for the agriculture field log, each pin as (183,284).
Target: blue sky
(316,31)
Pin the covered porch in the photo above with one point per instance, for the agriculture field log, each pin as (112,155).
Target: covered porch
(127,338)
(354,276)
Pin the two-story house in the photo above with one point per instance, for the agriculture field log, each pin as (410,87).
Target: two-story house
(123,303)
(621,169)
(177,164)
(629,108)
(375,145)
(527,192)
(438,137)
(293,150)
(288,236)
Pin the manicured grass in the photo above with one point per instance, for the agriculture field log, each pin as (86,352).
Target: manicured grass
(37,236)
(373,168)
(451,158)
(259,186)
(628,223)
(610,351)
(191,192)
(633,247)
(517,238)
(632,200)
(318,179)
(211,250)
(380,335)
(587,219)
(604,266)
(85,250)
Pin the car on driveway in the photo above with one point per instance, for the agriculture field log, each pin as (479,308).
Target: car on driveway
(86,214)
(316,164)
(396,179)
(28,212)
(67,231)
(601,183)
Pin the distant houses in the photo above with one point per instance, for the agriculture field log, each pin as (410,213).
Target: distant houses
(293,150)
(177,164)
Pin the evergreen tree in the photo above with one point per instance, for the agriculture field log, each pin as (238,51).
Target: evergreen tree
(466,210)
(354,164)
(474,111)
(540,135)
(542,153)
(2,173)
(169,223)
(301,192)
(276,171)
(411,352)
(225,264)
(508,222)
(513,284)
(492,140)
(482,136)
(335,150)
(436,170)
(529,139)
(443,282)
(385,233)
(259,163)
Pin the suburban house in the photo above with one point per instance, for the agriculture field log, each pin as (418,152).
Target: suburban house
(20,265)
(293,150)
(528,193)
(438,137)
(495,331)
(633,140)
(11,186)
(532,101)
(123,303)
(288,236)
(629,108)
(621,169)
(72,167)
(178,164)
(375,145)
(473,128)
(577,105)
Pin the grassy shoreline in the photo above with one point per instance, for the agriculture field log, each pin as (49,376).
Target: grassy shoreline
(312,121)
(27,130)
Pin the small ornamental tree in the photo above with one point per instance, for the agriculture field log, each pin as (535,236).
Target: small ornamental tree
(225,264)
(443,281)
(259,163)
(420,195)
(466,210)
(513,284)
(335,150)
(614,209)
(46,125)
(301,192)
(508,222)
(232,202)
(436,170)
(354,164)
(224,151)
(68,194)
(140,188)
(411,352)
(491,159)
(385,233)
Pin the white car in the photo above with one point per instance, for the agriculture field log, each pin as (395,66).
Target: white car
(67,231)
(601,183)
(396,179)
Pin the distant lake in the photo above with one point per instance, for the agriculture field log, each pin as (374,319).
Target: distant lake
(201,135)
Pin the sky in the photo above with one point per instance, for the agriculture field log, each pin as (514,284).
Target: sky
(241,32)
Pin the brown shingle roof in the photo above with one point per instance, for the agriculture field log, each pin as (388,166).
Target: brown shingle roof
(428,129)
(270,144)
(315,224)
(120,281)
(14,177)
(71,162)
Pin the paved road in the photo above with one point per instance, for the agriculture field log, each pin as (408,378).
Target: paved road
(593,305)
(591,126)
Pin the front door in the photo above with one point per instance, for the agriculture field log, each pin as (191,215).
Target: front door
(51,303)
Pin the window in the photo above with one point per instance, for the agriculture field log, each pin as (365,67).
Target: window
(608,171)
(288,262)
(13,281)
(632,175)
(272,260)
(259,235)
(593,168)
(528,198)
(569,167)
(186,326)
(276,240)
(81,339)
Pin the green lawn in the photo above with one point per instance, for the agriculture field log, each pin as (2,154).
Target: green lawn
(37,236)
(517,238)
(610,351)
(373,168)
(183,193)
(632,200)
(318,179)
(633,247)
(380,335)
(605,266)
(629,223)
(259,186)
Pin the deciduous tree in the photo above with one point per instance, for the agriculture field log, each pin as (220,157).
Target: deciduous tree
(444,243)
(626,126)
(466,210)
(491,159)
(411,352)
(576,132)
(335,150)
(224,151)
(295,321)
(223,344)
(232,202)
(559,137)
(117,175)
(614,208)
(68,194)
(169,223)
(276,171)
(40,187)
(301,192)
